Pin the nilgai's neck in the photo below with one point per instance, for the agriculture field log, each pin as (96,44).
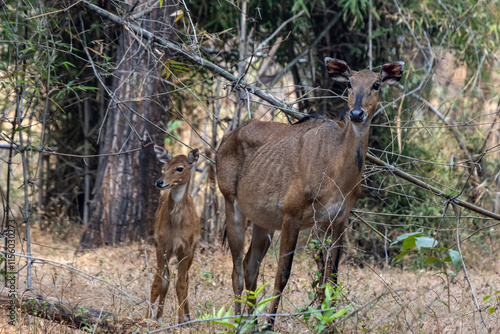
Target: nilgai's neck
(354,148)
(179,194)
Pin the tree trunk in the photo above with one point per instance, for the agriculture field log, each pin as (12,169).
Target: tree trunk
(125,198)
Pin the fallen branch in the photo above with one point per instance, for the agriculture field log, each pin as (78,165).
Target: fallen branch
(71,315)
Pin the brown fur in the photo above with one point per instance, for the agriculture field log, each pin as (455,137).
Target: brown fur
(290,177)
(177,230)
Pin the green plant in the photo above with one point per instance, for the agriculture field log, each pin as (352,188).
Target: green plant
(241,323)
(327,313)
(426,247)
(496,302)
(87,327)
(208,276)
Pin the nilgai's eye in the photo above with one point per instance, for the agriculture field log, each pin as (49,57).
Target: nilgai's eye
(349,85)
(179,169)
(376,85)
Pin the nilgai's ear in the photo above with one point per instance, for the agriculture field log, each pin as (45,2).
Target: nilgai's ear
(162,154)
(338,69)
(391,72)
(193,157)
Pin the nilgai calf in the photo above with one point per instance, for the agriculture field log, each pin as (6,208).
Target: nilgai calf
(177,230)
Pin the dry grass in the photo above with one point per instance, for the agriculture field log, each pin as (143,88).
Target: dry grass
(422,301)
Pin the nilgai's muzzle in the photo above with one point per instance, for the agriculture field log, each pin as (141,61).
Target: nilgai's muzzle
(357,115)
(160,184)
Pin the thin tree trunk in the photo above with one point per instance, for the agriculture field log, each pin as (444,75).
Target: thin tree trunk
(124,194)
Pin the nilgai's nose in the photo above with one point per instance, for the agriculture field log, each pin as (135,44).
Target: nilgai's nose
(357,115)
(160,184)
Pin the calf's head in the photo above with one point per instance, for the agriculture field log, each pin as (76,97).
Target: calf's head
(177,169)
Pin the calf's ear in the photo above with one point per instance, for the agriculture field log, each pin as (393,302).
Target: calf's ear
(391,72)
(162,154)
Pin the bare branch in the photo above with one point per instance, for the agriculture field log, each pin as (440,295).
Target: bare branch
(399,173)
(476,303)
(267,40)
(217,70)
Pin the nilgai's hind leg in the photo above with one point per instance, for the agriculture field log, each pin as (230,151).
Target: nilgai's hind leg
(261,240)
(235,229)
(328,258)
(160,285)
(289,235)
(182,286)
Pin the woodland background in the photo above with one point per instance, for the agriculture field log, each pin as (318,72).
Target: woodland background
(85,94)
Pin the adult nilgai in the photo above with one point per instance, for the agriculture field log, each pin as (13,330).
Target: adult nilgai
(290,177)
(177,229)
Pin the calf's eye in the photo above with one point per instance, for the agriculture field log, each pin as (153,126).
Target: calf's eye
(179,169)
(376,85)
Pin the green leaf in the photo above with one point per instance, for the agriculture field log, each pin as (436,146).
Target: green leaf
(486,298)
(400,255)
(21,129)
(180,67)
(328,291)
(263,303)
(431,260)
(316,313)
(66,63)
(491,310)
(260,288)
(337,315)
(425,242)
(409,243)
(244,301)
(455,259)
(229,312)
(219,314)
(404,236)
(85,88)
(224,323)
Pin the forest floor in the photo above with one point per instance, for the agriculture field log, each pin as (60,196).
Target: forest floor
(381,300)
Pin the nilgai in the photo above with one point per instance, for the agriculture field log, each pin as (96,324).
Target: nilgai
(177,230)
(291,177)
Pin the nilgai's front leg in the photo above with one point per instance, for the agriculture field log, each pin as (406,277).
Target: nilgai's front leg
(335,252)
(160,285)
(328,257)
(289,235)
(182,286)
